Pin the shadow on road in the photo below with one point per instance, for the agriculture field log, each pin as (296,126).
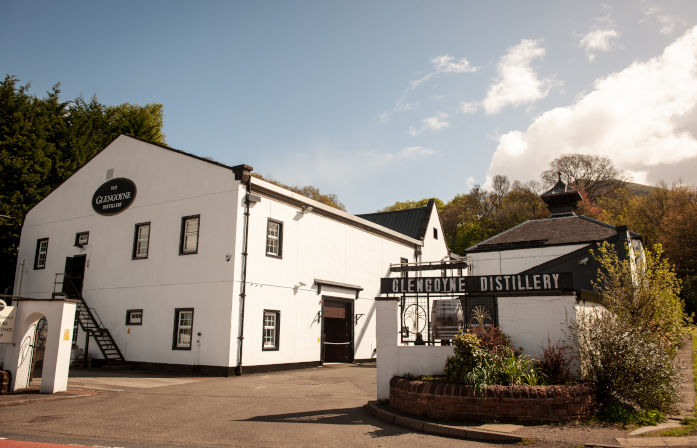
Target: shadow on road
(343,416)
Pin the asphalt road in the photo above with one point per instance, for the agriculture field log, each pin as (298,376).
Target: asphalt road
(321,407)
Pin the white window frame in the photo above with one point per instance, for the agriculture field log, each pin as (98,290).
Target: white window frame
(181,329)
(141,241)
(271,326)
(134,317)
(41,253)
(189,237)
(274,238)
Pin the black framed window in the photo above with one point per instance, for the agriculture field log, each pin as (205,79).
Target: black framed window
(272,326)
(188,242)
(41,253)
(134,317)
(183,328)
(141,241)
(274,238)
(82,238)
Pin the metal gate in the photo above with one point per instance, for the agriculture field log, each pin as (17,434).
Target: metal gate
(38,350)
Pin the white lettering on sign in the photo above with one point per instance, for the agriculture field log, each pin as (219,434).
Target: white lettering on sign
(7,322)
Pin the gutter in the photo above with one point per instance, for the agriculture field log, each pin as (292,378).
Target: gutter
(243,174)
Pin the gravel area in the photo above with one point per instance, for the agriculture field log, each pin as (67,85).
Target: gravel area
(573,434)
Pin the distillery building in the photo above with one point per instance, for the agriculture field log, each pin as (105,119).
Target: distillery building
(178,260)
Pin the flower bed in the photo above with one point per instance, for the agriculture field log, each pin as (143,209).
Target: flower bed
(530,404)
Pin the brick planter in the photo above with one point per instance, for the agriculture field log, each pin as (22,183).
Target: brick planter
(529,404)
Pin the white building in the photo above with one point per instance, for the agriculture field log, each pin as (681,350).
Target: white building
(189,262)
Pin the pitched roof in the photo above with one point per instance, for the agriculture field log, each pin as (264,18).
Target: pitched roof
(550,232)
(412,222)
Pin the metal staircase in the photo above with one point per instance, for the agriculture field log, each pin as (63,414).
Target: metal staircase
(88,318)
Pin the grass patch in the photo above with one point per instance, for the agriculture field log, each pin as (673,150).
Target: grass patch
(688,428)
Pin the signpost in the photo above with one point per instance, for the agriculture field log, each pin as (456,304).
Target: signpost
(7,322)
(489,284)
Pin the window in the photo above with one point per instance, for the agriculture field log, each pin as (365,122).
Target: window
(272,320)
(82,238)
(183,328)
(141,241)
(189,235)
(435,233)
(274,238)
(41,253)
(404,262)
(134,317)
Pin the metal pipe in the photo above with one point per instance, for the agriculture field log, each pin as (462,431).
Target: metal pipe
(243,286)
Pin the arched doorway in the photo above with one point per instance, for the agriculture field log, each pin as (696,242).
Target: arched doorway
(31,354)
(39,349)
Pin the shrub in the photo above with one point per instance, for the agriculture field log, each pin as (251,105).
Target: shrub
(492,338)
(476,366)
(554,363)
(627,366)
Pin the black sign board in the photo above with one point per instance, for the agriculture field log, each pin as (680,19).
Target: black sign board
(523,283)
(114,196)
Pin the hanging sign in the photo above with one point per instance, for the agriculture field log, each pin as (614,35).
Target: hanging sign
(114,196)
(7,322)
(524,283)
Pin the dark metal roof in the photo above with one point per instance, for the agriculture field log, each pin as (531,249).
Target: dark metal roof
(550,232)
(411,222)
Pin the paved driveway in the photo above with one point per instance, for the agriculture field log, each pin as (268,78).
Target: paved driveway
(321,407)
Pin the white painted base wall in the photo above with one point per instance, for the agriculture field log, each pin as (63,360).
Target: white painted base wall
(530,321)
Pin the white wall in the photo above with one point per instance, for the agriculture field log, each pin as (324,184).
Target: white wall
(532,321)
(169,186)
(515,261)
(315,247)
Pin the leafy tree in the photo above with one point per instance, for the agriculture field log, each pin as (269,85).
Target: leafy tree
(308,191)
(406,205)
(595,175)
(43,141)
(641,289)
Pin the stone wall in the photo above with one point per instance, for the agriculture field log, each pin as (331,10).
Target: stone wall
(530,404)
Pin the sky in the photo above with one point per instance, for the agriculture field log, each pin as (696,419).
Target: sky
(383,101)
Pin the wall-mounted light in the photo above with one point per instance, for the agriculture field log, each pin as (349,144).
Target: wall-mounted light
(306,209)
(227,257)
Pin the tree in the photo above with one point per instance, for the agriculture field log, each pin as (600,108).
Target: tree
(626,349)
(308,191)
(595,175)
(43,141)
(406,205)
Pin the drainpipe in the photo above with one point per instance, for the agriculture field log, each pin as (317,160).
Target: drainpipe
(243,174)
(19,280)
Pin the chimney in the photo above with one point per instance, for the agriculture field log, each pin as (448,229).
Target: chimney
(561,199)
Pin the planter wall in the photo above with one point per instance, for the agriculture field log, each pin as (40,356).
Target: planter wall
(530,404)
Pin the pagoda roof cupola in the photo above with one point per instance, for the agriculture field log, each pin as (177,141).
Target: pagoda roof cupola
(561,199)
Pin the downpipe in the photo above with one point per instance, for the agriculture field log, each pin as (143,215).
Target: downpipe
(243,281)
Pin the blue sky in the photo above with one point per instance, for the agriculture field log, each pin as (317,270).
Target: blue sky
(380,101)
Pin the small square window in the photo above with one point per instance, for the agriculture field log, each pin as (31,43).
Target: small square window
(274,238)
(41,253)
(141,241)
(189,235)
(272,325)
(82,238)
(183,328)
(134,317)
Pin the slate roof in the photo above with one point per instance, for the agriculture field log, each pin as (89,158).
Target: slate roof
(549,232)
(412,222)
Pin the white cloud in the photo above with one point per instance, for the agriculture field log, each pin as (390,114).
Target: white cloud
(644,118)
(432,124)
(441,64)
(599,40)
(666,22)
(414,152)
(469,108)
(517,83)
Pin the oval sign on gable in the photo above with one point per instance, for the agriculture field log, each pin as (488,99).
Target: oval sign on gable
(114,196)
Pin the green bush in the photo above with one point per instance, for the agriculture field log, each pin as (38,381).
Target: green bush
(476,366)
(628,366)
